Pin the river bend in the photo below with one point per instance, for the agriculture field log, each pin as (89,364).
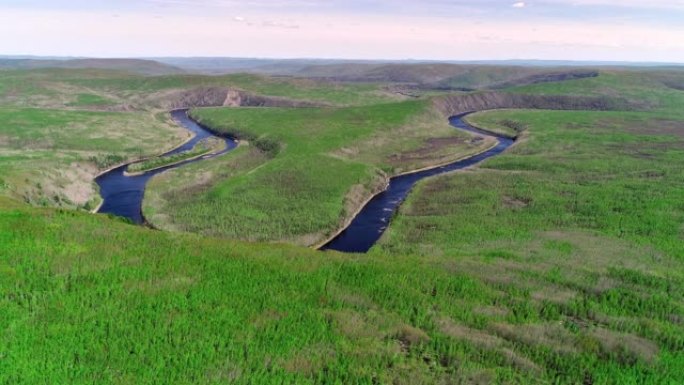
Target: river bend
(123,195)
(372,221)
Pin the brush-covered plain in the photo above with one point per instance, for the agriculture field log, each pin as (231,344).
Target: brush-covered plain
(63,126)
(558,262)
(576,235)
(50,157)
(319,165)
(108,89)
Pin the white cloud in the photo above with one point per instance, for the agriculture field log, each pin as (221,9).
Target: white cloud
(519,4)
(239,19)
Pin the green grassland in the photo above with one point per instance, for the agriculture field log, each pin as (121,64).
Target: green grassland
(109,89)
(654,90)
(63,126)
(327,162)
(445,76)
(89,299)
(291,88)
(89,100)
(319,165)
(50,157)
(577,233)
(559,261)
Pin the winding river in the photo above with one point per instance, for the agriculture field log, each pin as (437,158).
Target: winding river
(372,221)
(122,195)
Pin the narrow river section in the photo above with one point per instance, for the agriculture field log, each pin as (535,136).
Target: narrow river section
(369,225)
(123,195)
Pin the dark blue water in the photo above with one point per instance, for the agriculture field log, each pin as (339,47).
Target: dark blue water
(369,225)
(123,195)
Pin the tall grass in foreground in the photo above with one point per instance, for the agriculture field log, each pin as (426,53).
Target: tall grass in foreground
(577,232)
(559,262)
(88,299)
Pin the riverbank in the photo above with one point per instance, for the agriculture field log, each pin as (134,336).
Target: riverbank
(127,162)
(348,219)
(212,148)
(375,216)
(123,194)
(316,166)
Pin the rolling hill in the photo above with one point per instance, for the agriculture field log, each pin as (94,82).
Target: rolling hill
(137,66)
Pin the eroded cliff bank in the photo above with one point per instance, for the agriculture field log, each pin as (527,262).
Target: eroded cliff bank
(219,97)
(451,105)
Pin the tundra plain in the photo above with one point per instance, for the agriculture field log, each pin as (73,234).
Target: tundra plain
(559,261)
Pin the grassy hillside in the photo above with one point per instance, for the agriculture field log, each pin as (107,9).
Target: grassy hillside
(135,66)
(108,89)
(132,305)
(615,173)
(316,168)
(50,157)
(444,75)
(325,163)
(62,126)
(654,89)
(576,233)
(560,261)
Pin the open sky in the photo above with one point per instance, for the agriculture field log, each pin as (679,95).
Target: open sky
(624,30)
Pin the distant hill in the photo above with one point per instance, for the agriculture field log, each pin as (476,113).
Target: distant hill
(138,66)
(212,65)
(223,65)
(432,75)
(446,76)
(440,74)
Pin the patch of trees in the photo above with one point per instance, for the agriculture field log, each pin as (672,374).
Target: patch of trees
(108,160)
(513,124)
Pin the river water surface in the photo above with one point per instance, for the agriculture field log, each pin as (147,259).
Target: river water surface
(123,195)
(369,225)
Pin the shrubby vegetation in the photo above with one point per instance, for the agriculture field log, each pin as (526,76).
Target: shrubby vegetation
(514,125)
(105,161)
(80,309)
(50,156)
(203,147)
(319,169)
(46,138)
(557,262)
(576,233)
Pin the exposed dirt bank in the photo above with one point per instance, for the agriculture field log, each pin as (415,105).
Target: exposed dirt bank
(219,97)
(559,76)
(458,104)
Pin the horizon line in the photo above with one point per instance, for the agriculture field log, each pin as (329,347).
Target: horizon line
(322,58)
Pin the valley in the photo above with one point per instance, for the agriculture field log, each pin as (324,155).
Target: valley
(559,260)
